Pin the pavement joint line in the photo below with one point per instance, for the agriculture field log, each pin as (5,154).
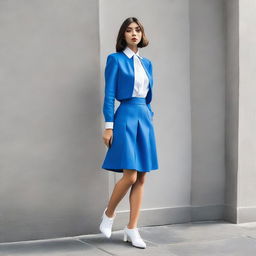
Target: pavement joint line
(38,240)
(148,241)
(94,246)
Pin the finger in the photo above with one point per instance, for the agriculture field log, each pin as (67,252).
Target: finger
(111,141)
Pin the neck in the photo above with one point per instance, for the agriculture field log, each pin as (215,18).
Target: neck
(133,48)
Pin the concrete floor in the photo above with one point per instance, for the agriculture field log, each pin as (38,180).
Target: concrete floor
(196,238)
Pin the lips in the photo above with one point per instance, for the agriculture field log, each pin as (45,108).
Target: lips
(134,39)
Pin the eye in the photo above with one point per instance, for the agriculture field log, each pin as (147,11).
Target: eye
(129,30)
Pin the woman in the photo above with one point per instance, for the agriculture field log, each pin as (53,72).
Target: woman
(129,132)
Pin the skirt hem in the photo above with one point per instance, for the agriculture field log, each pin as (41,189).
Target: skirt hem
(121,169)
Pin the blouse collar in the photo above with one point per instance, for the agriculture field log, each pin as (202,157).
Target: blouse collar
(129,52)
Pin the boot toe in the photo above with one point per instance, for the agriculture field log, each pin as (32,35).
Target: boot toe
(134,236)
(106,224)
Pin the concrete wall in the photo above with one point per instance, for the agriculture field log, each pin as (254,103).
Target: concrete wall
(241,107)
(52,83)
(207,78)
(246,199)
(51,145)
(232,108)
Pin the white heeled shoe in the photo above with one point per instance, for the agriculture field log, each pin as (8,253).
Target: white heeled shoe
(106,224)
(135,237)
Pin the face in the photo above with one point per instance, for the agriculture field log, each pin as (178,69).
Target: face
(133,34)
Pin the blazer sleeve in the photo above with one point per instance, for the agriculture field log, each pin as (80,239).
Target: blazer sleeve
(111,71)
(151,72)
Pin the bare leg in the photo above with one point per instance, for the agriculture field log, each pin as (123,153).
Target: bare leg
(120,189)
(135,198)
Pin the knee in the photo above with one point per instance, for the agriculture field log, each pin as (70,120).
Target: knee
(141,180)
(130,177)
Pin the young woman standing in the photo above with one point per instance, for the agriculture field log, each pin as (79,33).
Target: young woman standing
(129,131)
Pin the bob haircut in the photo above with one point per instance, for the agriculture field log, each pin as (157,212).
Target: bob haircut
(121,42)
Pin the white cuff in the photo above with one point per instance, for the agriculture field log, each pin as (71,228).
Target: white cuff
(109,125)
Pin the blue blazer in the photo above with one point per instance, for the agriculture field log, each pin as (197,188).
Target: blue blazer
(119,81)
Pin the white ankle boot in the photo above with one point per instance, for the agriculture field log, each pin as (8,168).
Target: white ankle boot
(133,235)
(106,224)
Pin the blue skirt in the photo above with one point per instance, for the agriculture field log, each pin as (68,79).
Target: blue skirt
(133,142)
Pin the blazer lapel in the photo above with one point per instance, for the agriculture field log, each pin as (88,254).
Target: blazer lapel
(144,65)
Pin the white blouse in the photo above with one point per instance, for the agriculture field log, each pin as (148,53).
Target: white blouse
(141,81)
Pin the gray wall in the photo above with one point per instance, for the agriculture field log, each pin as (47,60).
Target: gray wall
(53,55)
(207,86)
(246,199)
(232,108)
(241,108)
(50,130)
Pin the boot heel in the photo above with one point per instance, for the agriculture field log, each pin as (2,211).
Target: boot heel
(133,236)
(125,237)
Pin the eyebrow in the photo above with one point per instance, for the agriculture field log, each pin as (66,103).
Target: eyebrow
(135,27)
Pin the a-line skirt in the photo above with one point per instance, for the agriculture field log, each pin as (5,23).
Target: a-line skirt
(133,142)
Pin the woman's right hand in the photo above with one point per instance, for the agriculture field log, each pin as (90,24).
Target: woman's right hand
(107,136)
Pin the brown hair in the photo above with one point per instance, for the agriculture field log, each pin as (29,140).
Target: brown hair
(121,42)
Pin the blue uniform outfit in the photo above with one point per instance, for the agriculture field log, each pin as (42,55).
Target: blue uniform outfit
(129,79)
